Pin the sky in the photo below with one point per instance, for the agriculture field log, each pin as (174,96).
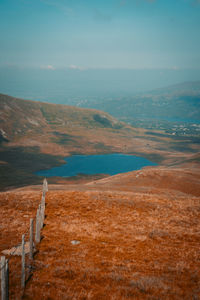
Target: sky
(100,34)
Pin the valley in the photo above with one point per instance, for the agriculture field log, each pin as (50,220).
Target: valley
(129,236)
(173,109)
(36,136)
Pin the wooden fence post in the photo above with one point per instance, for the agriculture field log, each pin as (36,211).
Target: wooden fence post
(43,207)
(40,216)
(3,278)
(43,194)
(45,185)
(43,200)
(31,240)
(7,279)
(23,264)
(41,212)
(37,227)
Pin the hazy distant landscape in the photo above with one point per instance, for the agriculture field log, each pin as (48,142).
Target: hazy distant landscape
(142,98)
(174,109)
(74,86)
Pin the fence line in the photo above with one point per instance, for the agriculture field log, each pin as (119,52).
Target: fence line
(39,223)
(31,240)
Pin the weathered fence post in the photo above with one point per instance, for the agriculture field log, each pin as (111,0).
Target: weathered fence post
(44,190)
(3,278)
(37,227)
(31,240)
(40,214)
(45,185)
(23,263)
(7,280)
(43,200)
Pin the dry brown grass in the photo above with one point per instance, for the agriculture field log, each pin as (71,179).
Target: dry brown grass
(16,210)
(133,244)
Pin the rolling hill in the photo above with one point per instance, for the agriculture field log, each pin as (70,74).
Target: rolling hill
(34,121)
(36,135)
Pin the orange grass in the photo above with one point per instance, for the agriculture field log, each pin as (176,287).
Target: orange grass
(134,244)
(131,246)
(16,210)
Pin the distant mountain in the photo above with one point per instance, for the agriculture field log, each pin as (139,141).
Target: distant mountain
(191,88)
(177,102)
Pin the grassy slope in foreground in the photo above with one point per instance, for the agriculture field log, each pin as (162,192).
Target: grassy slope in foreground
(138,234)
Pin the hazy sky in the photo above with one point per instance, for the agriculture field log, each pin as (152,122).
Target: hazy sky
(81,34)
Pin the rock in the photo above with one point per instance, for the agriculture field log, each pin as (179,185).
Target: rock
(75,242)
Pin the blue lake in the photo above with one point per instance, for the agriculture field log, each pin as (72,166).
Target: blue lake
(97,164)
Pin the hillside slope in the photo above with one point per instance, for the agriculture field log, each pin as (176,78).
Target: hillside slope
(36,135)
(137,237)
(32,123)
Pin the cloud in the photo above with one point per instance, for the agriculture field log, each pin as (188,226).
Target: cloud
(74,67)
(47,67)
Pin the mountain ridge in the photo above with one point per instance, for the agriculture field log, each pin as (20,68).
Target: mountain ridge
(182,87)
(169,104)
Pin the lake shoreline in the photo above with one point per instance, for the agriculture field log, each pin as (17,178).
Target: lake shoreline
(97,164)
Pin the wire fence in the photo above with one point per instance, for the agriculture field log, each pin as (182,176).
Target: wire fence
(27,246)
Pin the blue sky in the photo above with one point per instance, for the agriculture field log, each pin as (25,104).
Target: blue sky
(110,34)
